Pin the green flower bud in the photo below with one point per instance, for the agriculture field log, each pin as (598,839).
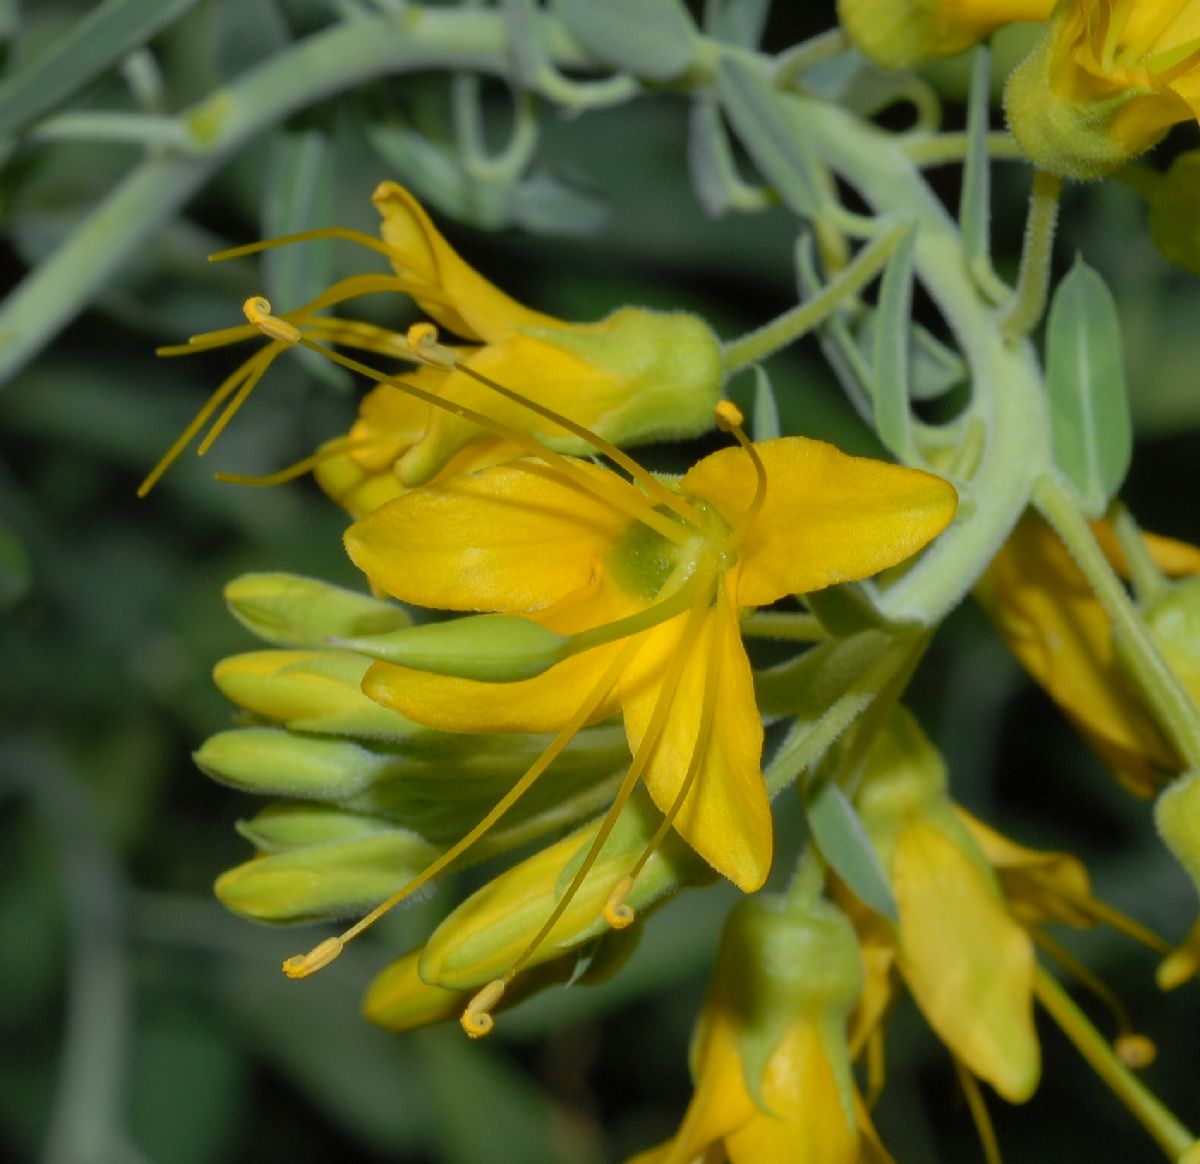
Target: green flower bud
(666,368)
(281,763)
(291,611)
(781,961)
(321,881)
(280,828)
(1174,621)
(495,648)
(401,1000)
(310,691)
(489,931)
(1177,815)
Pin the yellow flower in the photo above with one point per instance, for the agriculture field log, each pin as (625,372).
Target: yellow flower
(636,376)
(1105,82)
(966,960)
(901,33)
(647,588)
(769,1057)
(1054,624)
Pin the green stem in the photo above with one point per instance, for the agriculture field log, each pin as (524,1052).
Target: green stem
(1007,398)
(144,129)
(1174,708)
(808,878)
(792,324)
(801,57)
(937,149)
(1033,281)
(783,627)
(342,57)
(1146,1108)
(1148,580)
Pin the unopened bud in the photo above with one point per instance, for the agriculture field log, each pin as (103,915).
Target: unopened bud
(1177,814)
(292,611)
(495,648)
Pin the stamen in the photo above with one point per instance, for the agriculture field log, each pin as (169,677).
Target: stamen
(980,1116)
(302,965)
(423,340)
(876,1066)
(1101,912)
(1133,1049)
(555,747)
(708,707)
(617,911)
(258,311)
(284,240)
(641,758)
(476,1019)
(674,604)
(240,397)
(299,468)
(730,419)
(253,368)
(619,493)
(648,481)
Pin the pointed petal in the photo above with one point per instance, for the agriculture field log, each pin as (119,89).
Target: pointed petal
(827,518)
(727,815)
(444,286)
(541,704)
(968,964)
(516,537)
(808,1124)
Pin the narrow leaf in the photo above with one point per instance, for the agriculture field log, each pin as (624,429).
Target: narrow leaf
(1085,382)
(770,135)
(845,845)
(893,420)
(99,40)
(655,39)
(766,409)
(974,208)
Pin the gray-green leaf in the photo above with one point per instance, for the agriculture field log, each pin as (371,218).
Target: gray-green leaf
(1085,381)
(655,39)
(845,845)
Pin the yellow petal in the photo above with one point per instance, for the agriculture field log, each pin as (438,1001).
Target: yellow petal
(807,1119)
(447,288)
(726,818)
(827,518)
(586,392)
(515,537)
(1056,627)
(1174,558)
(541,704)
(968,964)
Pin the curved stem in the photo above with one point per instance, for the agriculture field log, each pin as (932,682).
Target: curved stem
(1139,654)
(1170,1135)
(1033,281)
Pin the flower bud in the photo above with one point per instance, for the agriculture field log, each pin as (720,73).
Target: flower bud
(334,878)
(1100,88)
(489,931)
(311,691)
(900,33)
(1174,226)
(1177,815)
(291,611)
(1174,622)
(495,648)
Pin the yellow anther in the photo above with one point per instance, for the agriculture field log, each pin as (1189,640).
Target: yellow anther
(1135,1051)
(729,416)
(302,965)
(476,1019)
(258,311)
(423,339)
(617,911)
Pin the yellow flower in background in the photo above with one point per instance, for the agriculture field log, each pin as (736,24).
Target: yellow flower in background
(968,963)
(769,1057)
(647,586)
(1054,624)
(1105,82)
(902,33)
(638,375)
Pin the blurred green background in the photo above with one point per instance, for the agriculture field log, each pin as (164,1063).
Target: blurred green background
(139,1021)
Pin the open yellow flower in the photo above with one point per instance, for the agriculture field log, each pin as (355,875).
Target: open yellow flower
(901,33)
(638,375)
(1054,624)
(646,587)
(1105,83)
